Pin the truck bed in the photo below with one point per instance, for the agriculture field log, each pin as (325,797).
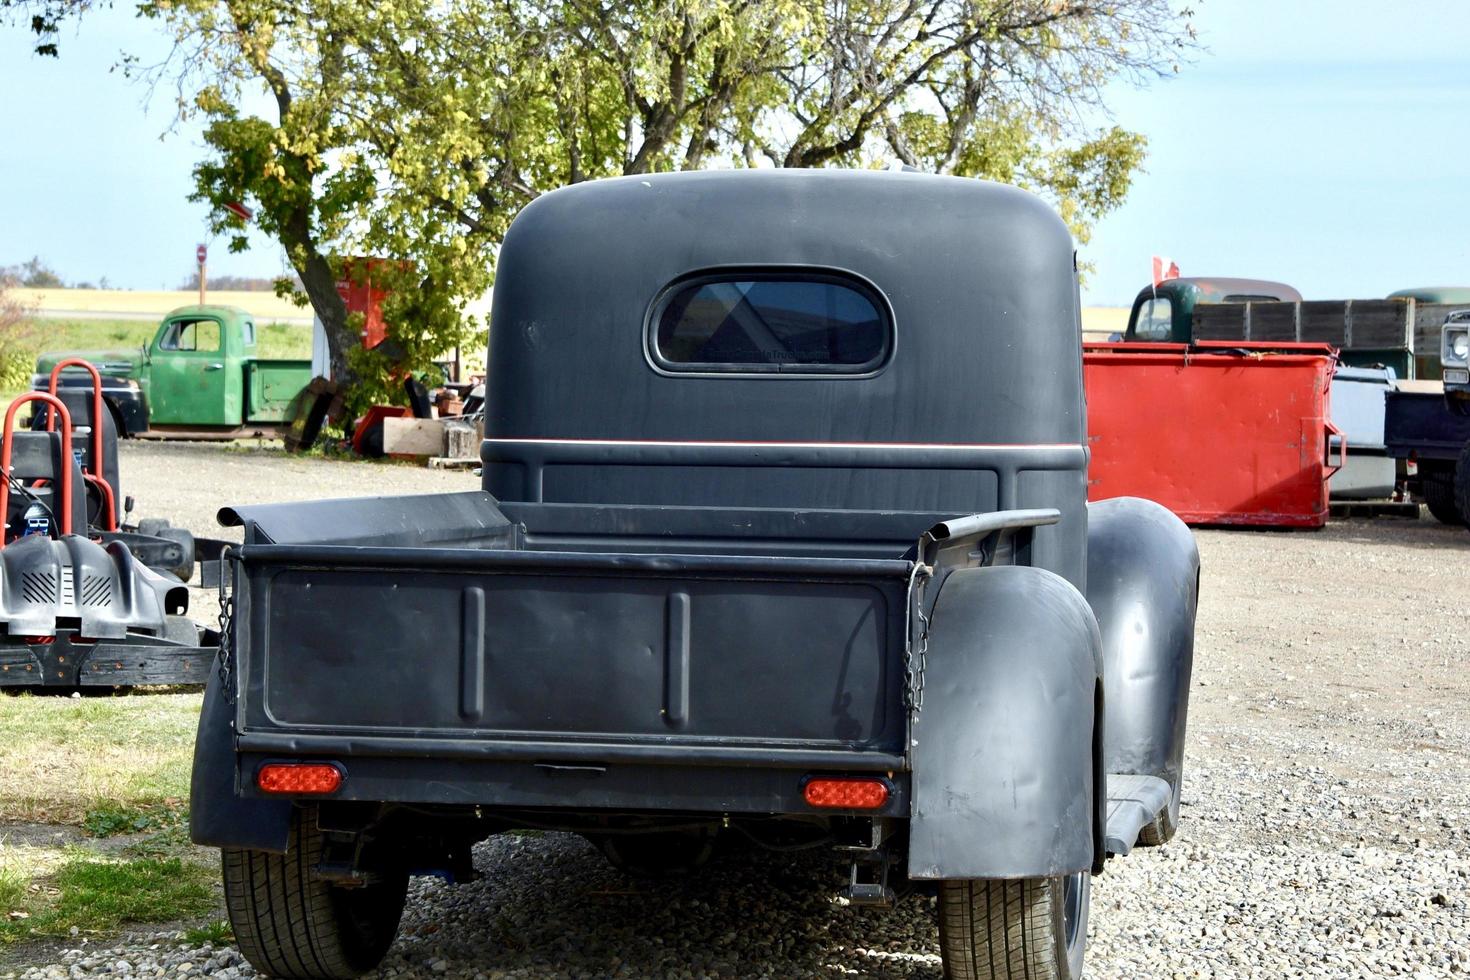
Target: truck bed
(270,385)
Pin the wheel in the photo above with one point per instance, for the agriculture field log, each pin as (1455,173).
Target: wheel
(1034,928)
(288,923)
(657,854)
(1439,494)
(1461,483)
(1163,829)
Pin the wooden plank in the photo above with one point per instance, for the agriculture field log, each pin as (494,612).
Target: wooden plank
(462,440)
(1220,321)
(1428,323)
(1272,321)
(1325,321)
(1380,324)
(413,437)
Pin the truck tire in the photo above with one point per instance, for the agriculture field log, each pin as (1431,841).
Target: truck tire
(289,923)
(1161,831)
(1461,485)
(1034,928)
(1441,494)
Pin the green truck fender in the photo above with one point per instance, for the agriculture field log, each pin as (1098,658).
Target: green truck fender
(1006,747)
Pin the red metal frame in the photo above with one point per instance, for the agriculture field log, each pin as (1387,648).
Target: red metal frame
(6,447)
(92,472)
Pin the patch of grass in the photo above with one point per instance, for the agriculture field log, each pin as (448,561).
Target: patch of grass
(171,841)
(110,819)
(65,758)
(93,894)
(282,340)
(215,934)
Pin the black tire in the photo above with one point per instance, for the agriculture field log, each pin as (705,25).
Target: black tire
(288,923)
(1461,484)
(1440,489)
(1035,928)
(1163,829)
(658,854)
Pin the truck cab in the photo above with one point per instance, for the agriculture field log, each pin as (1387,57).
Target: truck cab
(1165,313)
(199,374)
(782,532)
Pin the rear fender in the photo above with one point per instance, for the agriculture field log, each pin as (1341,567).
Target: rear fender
(1004,754)
(218,815)
(1143,585)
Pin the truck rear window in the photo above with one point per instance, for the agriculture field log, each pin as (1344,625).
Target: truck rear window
(770,323)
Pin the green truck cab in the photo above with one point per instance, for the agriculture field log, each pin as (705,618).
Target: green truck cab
(1165,313)
(199,375)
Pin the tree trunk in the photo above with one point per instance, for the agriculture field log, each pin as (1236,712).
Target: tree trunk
(328,305)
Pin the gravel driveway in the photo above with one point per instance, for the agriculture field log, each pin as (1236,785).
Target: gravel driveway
(1326,822)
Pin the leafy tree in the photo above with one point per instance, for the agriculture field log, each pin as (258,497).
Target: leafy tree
(414,130)
(45,18)
(32,274)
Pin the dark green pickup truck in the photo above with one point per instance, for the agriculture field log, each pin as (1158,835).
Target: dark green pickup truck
(198,376)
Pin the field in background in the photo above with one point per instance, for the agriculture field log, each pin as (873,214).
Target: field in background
(139,303)
(66,333)
(1099,321)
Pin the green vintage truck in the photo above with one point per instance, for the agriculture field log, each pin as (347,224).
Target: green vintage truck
(198,377)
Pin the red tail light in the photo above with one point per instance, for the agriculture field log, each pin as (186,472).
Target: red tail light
(845,793)
(299,778)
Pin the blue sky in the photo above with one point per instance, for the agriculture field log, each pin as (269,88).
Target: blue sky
(1322,142)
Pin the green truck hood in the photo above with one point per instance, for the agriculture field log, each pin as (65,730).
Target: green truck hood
(123,362)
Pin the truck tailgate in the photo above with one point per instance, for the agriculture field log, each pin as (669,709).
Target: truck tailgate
(521,646)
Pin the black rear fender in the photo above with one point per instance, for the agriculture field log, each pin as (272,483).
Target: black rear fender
(1143,586)
(218,817)
(1005,759)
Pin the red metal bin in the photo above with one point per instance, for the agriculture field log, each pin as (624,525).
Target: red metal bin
(1218,432)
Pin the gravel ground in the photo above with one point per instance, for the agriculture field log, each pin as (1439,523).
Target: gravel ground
(1326,822)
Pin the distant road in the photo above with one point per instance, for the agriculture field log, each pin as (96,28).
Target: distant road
(50,314)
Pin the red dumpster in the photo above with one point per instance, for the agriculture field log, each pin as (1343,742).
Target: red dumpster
(1218,432)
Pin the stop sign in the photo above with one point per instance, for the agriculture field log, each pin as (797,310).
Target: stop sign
(200,253)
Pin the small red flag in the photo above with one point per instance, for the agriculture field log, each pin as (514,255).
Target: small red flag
(239,210)
(1165,268)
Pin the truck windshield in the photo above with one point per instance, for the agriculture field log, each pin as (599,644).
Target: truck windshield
(196,335)
(782,323)
(1155,319)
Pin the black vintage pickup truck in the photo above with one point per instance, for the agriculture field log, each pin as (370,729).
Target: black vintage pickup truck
(783,529)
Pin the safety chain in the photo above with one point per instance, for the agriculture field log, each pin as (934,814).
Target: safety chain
(226,619)
(914,662)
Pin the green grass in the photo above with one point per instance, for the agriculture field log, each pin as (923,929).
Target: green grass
(93,894)
(272,339)
(215,934)
(108,758)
